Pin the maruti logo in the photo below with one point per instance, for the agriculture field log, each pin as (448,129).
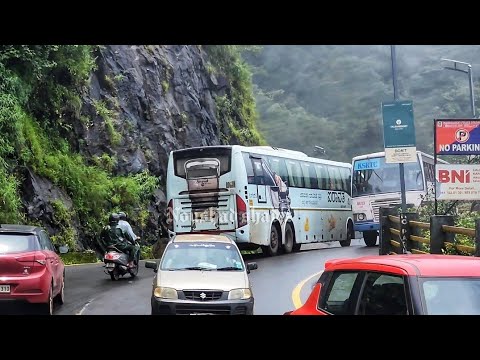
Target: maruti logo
(446,176)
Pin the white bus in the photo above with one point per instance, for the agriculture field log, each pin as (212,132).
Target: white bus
(259,196)
(376,184)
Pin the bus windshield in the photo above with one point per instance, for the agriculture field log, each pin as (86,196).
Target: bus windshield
(375,176)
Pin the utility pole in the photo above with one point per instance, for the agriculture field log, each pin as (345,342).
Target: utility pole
(395,97)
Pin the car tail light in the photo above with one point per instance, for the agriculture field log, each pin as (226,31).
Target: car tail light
(241,212)
(40,259)
(170,215)
(39,262)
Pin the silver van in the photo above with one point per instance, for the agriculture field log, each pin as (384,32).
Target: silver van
(201,274)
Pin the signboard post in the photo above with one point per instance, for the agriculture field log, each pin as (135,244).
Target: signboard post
(399,137)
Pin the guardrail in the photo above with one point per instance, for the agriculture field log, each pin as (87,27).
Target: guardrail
(401,233)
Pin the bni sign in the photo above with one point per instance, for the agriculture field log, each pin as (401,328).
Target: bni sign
(399,132)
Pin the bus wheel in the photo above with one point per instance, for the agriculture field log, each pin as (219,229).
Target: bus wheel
(288,246)
(272,249)
(370,238)
(348,240)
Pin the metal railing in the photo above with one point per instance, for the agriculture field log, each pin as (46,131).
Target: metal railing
(402,233)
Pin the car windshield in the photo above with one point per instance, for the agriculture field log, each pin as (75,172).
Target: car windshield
(16,243)
(202,256)
(451,296)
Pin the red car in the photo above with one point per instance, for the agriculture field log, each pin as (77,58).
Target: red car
(396,285)
(30,269)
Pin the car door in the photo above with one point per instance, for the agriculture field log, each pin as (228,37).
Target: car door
(52,259)
(341,294)
(384,294)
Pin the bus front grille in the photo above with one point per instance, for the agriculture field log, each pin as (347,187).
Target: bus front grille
(376,205)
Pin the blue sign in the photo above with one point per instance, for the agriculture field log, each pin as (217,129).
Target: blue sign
(368,164)
(398,126)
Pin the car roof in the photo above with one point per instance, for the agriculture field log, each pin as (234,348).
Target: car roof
(15,228)
(202,237)
(418,265)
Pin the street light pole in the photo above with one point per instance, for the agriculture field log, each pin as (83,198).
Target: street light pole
(470,79)
(395,97)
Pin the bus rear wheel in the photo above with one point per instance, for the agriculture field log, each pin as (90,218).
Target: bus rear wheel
(370,238)
(288,246)
(272,248)
(348,240)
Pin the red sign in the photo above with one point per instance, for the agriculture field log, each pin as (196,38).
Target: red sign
(457,137)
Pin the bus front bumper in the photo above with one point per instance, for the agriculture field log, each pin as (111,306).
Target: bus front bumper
(366,226)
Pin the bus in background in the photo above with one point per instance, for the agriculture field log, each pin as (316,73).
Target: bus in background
(259,196)
(376,184)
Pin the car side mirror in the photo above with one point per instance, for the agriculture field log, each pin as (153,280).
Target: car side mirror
(252,266)
(151,265)
(63,249)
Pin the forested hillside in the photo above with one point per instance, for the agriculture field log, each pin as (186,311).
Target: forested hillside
(330,95)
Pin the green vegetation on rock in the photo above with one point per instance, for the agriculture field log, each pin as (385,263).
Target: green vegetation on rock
(40,89)
(236,109)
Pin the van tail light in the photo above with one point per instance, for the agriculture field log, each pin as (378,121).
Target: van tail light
(241,211)
(170,215)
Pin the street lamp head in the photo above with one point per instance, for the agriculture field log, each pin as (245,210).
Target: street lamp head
(456,61)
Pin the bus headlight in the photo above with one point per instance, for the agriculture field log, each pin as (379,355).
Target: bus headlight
(361,216)
(165,293)
(239,294)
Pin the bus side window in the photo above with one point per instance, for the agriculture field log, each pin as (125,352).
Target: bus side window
(313,176)
(282,170)
(306,175)
(335,181)
(295,177)
(249,168)
(258,171)
(345,175)
(322,177)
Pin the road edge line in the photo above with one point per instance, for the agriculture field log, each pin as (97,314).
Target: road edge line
(297,302)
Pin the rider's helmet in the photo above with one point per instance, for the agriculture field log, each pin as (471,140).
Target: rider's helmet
(113,218)
(122,215)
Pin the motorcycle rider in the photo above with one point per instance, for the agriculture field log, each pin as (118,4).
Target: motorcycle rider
(125,225)
(113,234)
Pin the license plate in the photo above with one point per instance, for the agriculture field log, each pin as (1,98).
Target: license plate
(110,265)
(5,289)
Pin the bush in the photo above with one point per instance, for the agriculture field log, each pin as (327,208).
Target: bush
(85,257)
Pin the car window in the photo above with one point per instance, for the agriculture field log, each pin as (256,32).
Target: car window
(383,294)
(339,298)
(202,256)
(16,243)
(451,296)
(45,243)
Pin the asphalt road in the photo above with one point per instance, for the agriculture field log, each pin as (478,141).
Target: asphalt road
(89,291)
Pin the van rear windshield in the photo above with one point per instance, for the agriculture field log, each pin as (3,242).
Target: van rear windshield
(221,154)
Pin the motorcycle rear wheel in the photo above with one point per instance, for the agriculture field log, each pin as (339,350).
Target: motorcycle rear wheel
(114,275)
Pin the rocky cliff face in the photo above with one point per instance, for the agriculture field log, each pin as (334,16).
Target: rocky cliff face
(141,103)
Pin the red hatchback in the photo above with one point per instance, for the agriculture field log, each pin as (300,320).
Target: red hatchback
(30,268)
(397,285)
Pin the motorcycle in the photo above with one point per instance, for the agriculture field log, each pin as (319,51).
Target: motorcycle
(116,262)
